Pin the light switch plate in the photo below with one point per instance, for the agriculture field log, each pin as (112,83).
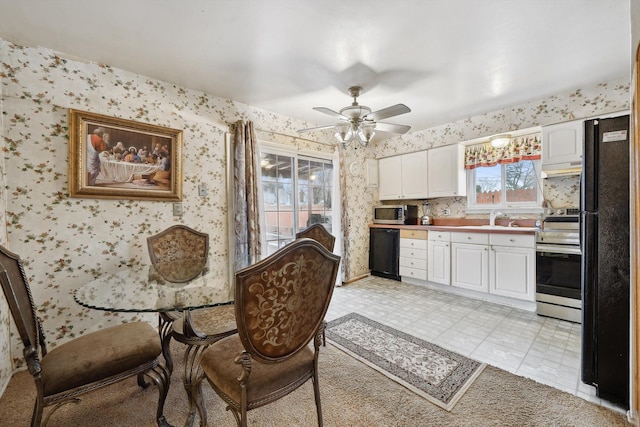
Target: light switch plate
(202,190)
(177,209)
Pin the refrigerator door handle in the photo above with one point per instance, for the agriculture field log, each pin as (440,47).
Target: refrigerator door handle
(589,301)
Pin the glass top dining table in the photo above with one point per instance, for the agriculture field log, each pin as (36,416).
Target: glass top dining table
(142,288)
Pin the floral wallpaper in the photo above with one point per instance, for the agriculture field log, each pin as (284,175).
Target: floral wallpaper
(5,368)
(65,242)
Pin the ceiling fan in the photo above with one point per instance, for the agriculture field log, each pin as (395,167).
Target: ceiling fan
(358,122)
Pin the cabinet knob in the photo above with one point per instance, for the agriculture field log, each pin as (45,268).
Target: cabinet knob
(512,240)
(468,237)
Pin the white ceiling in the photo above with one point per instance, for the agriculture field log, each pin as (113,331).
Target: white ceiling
(446,60)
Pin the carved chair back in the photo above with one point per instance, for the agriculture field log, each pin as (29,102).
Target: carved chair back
(320,234)
(16,290)
(179,253)
(281,301)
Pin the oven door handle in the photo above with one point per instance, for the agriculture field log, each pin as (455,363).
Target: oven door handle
(559,249)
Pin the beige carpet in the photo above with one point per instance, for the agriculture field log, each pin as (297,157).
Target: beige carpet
(353,394)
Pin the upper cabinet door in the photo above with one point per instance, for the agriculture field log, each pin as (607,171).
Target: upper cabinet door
(446,171)
(414,175)
(390,178)
(562,145)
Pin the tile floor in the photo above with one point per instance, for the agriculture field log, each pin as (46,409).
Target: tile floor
(519,341)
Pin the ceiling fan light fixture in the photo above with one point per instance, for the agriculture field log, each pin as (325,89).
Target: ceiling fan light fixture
(366,131)
(344,133)
(499,141)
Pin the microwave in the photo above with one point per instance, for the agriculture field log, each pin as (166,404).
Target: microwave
(394,214)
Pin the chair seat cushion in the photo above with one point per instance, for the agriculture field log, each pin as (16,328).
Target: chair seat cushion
(213,321)
(266,379)
(99,355)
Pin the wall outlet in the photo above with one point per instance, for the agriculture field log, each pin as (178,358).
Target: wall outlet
(447,212)
(177,209)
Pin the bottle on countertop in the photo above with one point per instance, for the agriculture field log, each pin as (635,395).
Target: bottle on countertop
(426,214)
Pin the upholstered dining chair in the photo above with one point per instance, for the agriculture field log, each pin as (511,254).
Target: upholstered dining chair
(280,305)
(176,243)
(182,243)
(320,234)
(83,364)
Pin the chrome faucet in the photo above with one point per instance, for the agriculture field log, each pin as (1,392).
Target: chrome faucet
(492,217)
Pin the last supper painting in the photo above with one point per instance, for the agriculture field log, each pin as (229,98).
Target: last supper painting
(114,158)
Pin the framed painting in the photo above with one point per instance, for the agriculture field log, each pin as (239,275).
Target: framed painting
(112,158)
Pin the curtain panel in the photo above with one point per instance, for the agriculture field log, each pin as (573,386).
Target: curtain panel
(246,176)
(528,147)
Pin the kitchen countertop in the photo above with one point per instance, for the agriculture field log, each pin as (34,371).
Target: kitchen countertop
(463,226)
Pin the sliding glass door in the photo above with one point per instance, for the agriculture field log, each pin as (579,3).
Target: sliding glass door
(297,192)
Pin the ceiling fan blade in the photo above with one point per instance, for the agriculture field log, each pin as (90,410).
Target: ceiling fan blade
(390,127)
(394,110)
(331,113)
(316,128)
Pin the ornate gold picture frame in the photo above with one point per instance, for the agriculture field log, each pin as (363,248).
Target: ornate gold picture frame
(112,158)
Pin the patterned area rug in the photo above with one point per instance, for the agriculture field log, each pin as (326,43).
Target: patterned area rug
(438,375)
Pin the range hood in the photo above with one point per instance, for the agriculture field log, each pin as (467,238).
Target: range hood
(558,170)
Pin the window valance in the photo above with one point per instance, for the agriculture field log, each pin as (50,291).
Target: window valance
(528,147)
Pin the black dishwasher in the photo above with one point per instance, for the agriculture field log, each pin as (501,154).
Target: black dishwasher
(384,252)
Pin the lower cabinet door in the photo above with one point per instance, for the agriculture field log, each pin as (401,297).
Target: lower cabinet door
(439,262)
(513,272)
(470,266)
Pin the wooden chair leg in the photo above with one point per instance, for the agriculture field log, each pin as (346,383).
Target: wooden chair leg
(316,392)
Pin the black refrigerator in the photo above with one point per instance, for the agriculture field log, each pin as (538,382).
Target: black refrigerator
(605,258)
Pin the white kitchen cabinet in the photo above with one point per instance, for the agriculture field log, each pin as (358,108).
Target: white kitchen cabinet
(470,261)
(562,145)
(414,175)
(499,264)
(512,266)
(413,254)
(403,177)
(439,257)
(446,173)
(390,178)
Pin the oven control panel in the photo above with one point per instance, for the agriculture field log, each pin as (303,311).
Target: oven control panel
(561,212)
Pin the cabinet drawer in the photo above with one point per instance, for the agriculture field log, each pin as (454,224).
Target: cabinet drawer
(519,240)
(420,264)
(474,238)
(413,234)
(414,273)
(440,236)
(413,253)
(413,243)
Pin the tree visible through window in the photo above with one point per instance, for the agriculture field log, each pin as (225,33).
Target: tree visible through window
(511,184)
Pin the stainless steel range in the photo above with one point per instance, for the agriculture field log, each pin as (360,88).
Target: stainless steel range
(558,265)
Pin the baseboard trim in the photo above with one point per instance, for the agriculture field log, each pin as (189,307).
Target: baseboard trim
(355,279)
